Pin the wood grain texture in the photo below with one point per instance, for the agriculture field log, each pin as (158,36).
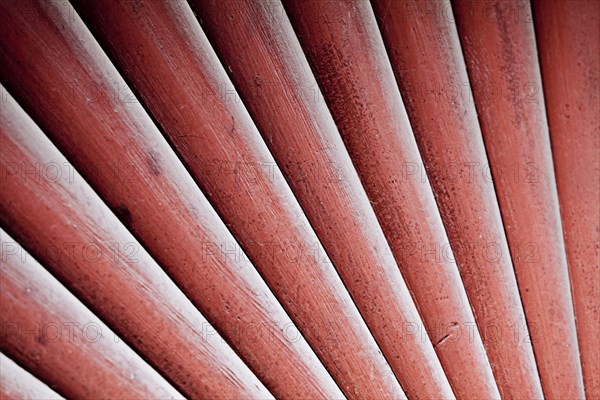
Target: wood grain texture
(568,41)
(344,47)
(268,67)
(109,138)
(395,179)
(166,58)
(18,384)
(425,52)
(48,331)
(500,50)
(63,223)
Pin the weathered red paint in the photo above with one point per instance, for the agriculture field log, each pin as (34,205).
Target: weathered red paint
(18,384)
(112,141)
(257,43)
(161,49)
(568,40)
(306,145)
(500,53)
(55,337)
(425,52)
(65,225)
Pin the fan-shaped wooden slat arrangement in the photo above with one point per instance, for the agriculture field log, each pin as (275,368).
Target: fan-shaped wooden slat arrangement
(302,199)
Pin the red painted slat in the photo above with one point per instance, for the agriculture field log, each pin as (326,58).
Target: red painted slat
(112,141)
(161,49)
(568,40)
(267,65)
(366,193)
(55,337)
(57,217)
(18,384)
(425,51)
(500,52)
(345,49)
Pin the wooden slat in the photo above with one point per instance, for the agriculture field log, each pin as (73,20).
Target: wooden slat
(18,384)
(568,40)
(55,337)
(421,232)
(343,45)
(162,51)
(112,141)
(268,67)
(59,219)
(391,169)
(425,52)
(500,52)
